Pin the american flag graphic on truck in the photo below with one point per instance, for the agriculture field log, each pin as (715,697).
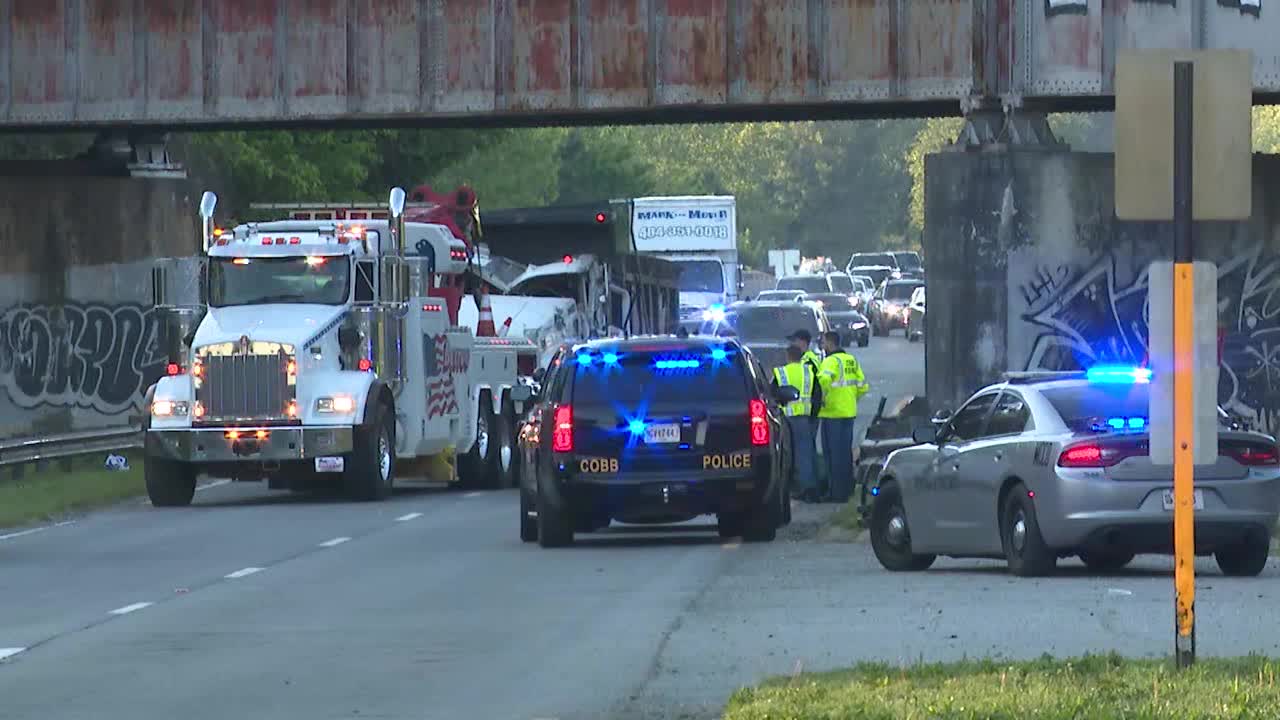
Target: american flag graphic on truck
(442,364)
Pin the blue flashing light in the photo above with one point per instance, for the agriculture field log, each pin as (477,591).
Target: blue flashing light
(584,359)
(1117,423)
(875,491)
(610,358)
(1118,374)
(636,427)
(719,354)
(684,446)
(677,364)
(714,313)
(1137,423)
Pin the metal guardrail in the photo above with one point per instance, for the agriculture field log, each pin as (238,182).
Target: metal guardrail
(14,452)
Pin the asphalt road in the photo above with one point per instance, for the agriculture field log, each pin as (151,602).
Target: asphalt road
(268,605)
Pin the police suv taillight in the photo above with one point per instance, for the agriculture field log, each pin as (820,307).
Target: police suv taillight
(562,430)
(759,423)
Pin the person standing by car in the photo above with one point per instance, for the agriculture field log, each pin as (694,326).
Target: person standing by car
(800,375)
(842,382)
(801,339)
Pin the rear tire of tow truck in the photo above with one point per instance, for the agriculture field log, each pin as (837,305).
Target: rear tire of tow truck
(504,461)
(371,466)
(890,534)
(555,522)
(169,483)
(479,469)
(1024,546)
(864,340)
(1245,559)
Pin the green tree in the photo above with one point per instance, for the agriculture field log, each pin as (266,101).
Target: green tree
(603,163)
(520,171)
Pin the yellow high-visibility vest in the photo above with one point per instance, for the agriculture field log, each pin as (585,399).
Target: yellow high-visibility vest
(842,384)
(799,376)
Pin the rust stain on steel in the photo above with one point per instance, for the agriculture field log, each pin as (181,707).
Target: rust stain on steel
(246,53)
(1074,41)
(470,47)
(939,41)
(385,74)
(173,50)
(39,52)
(773,57)
(316,38)
(861,47)
(614,47)
(540,57)
(108,72)
(694,65)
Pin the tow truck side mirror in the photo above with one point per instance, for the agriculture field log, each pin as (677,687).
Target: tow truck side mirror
(538,374)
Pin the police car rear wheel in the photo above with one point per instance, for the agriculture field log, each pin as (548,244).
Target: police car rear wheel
(1245,559)
(1024,546)
(528,519)
(891,536)
(555,523)
(1106,560)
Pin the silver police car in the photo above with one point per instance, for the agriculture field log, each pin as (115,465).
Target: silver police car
(1046,466)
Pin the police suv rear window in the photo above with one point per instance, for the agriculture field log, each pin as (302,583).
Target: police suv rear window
(1082,406)
(767,323)
(687,377)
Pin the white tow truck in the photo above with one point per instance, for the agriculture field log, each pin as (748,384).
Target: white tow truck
(319,349)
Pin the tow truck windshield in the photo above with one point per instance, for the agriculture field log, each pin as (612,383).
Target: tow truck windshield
(701,276)
(298,280)
(771,324)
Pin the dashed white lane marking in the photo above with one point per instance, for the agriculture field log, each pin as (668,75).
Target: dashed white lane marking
(33,531)
(730,545)
(9,652)
(213,484)
(335,541)
(473,494)
(130,608)
(1118,591)
(410,516)
(243,572)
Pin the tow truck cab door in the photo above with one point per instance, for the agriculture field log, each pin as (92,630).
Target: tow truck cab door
(659,412)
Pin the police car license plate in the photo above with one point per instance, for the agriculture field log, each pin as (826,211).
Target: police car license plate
(1197,499)
(329,464)
(658,434)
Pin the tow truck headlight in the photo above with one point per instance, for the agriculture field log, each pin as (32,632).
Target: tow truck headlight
(336,405)
(170,408)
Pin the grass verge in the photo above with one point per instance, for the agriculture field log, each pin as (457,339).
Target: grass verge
(51,491)
(1100,686)
(847,517)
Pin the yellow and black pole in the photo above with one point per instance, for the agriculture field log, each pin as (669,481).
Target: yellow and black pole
(1183,367)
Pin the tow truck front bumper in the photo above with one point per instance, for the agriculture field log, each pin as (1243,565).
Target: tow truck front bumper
(217,445)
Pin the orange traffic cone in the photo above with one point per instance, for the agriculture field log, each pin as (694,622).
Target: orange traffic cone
(485,327)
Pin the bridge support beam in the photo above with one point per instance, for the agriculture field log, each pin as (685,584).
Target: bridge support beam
(142,154)
(992,125)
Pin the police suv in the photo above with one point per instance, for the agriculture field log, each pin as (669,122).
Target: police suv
(655,430)
(1045,466)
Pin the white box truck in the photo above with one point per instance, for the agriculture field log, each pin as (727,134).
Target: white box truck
(701,234)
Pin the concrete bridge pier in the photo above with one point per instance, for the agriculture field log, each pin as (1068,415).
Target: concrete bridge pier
(1030,270)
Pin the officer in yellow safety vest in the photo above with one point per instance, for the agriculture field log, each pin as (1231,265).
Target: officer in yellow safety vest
(842,384)
(800,375)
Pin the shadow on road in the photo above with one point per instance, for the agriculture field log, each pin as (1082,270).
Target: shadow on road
(265,497)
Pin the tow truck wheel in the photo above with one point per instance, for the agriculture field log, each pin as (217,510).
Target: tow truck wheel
(371,467)
(1024,546)
(555,523)
(504,452)
(479,470)
(890,536)
(1246,559)
(169,483)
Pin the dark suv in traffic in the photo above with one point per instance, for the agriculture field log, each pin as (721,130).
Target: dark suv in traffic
(655,430)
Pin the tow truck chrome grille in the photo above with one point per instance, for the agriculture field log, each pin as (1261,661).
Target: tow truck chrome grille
(245,387)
